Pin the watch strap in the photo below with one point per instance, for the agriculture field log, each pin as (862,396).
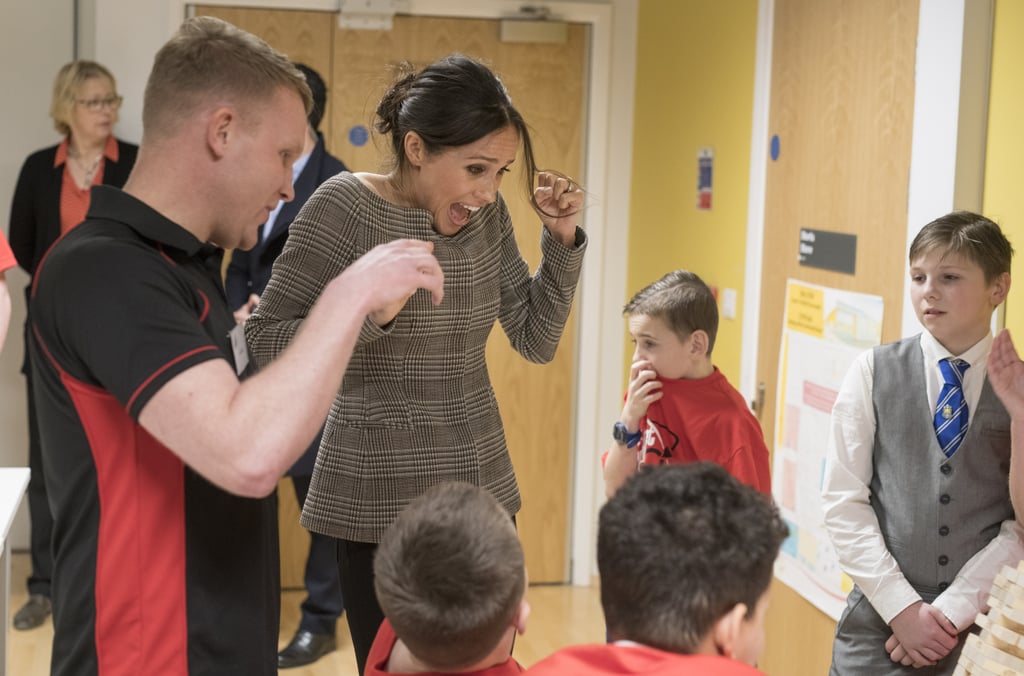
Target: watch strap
(623,436)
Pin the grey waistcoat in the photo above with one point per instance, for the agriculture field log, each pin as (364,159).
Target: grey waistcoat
(935,512)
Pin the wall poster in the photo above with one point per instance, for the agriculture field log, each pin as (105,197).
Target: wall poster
(823,331)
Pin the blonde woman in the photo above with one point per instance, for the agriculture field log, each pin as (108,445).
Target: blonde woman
(51,197)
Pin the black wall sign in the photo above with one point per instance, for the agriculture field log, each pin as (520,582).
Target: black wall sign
(836,251)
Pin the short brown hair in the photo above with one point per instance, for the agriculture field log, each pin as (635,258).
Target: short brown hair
(969,235)
(449,575)
(679,546)
(69,79)
(210,57)
(682,300)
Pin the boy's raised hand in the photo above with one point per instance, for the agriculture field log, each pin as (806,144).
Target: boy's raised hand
(644,389)
(1006,373)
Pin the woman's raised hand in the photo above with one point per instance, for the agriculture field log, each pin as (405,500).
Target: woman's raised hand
(560,201)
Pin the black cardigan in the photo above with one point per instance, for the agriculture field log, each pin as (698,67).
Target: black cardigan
(35,209)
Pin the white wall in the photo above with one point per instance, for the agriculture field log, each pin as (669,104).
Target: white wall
(36,38)
(125,35)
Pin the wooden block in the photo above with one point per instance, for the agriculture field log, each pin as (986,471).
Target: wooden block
(976,660)
(999,649)
(1012,618)
(970,655)
(997,597)
(997,660)
(1001,637)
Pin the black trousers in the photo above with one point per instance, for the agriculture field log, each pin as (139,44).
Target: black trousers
(859,646)
(355,570)
(40,518)
(324,602)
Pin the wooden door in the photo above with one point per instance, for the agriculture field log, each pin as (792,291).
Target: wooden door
(842,91)
(546,82)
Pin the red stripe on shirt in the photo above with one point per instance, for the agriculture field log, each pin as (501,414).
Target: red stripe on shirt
(141,611)
(163,368)
(206,306)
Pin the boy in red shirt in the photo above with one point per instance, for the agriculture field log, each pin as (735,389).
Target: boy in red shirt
(679,408)
(450,577)
(685,554)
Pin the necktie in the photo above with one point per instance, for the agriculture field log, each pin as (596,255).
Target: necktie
(951,411)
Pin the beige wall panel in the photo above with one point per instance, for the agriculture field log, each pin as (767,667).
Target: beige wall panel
(842,104)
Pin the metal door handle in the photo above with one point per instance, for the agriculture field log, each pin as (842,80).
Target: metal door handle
(757,405)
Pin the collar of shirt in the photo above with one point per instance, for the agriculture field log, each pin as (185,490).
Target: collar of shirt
(974,378)
(297,168)
(114,204)
(110,151)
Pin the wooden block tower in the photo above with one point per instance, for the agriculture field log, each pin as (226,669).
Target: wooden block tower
(999,649)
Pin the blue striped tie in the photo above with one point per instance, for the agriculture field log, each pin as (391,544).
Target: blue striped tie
(951,411)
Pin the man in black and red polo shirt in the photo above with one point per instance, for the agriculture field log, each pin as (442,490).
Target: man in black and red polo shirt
(165,544)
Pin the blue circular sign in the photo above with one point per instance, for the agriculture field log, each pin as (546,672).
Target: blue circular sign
(358,135)
(774,148)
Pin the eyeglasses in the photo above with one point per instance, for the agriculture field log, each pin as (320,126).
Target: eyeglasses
(95,105)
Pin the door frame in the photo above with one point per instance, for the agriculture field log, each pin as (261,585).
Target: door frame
(607,150)
(953,38)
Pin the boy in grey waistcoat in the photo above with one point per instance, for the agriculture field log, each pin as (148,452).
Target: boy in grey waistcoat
(915,490)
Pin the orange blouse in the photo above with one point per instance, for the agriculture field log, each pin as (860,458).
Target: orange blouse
(6,257)
(74,201)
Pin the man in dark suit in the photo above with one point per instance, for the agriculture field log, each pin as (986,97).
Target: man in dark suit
(247,277)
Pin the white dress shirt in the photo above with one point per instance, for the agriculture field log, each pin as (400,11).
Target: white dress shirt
(850,520)
(297,168)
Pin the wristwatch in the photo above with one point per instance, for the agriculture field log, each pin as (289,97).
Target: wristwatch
(622,435)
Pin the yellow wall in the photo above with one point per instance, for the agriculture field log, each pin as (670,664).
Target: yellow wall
(1004,158)
(694,88)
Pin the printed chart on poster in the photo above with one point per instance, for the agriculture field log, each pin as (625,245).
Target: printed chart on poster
(822,332)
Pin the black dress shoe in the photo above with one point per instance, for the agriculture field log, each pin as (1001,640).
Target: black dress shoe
(305,648)
(33,613)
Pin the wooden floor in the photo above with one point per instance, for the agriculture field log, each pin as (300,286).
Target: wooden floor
(561,615)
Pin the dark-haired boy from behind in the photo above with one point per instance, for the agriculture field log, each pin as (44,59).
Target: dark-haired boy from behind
(451,578)
(679,408)
(685,554)
(915,490)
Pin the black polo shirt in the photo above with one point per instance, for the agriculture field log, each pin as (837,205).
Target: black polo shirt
(156,570)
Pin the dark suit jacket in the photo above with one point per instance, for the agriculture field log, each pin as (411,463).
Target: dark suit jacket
(35,209)
(249,271)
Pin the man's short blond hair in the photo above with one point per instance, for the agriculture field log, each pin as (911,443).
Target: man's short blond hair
(209,59)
